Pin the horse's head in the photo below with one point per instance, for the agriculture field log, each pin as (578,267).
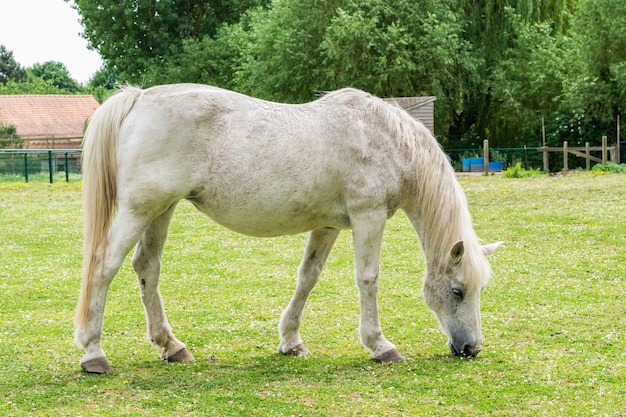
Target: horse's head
(452,290)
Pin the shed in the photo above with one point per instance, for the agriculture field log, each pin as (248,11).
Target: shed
(421,108)
(49,121)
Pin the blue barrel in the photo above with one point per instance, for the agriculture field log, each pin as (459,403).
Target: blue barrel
(477,165)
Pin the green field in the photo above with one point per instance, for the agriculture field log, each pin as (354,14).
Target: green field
(554,315)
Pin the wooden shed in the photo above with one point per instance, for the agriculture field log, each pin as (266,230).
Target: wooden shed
(421,108)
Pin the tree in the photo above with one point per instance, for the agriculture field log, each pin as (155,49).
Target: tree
(104,78)
(57,74)
(491,32)
(137,38)
(495,66)
(282,58)
(9,137)
(527,83)
(400,48)
(297,49)
(31,86)
(595,90)
(9,68)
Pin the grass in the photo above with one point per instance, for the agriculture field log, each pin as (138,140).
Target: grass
(553,315)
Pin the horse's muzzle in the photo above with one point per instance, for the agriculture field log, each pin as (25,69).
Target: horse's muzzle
(467,350)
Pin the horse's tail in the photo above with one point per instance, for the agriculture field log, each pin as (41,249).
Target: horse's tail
(99,186)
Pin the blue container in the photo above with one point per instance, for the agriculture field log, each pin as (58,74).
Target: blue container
(496,166)
(477,165)
(467,162)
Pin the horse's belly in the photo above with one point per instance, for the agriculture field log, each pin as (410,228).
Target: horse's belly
(268,221)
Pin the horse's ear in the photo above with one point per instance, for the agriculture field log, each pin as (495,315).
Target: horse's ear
(488,250)
(456,253)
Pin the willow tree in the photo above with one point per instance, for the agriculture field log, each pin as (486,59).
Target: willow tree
(489,28)
(595,92)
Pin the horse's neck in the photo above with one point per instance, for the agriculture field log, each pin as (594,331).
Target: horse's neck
(439,216)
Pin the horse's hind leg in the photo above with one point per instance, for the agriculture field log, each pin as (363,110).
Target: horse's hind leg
(124,232)
(147,264)
(318,247)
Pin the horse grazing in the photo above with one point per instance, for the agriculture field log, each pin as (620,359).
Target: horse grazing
(348,160)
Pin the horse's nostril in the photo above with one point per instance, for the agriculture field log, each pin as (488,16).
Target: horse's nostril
(470,350)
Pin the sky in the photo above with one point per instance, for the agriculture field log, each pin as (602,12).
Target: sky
(37,31)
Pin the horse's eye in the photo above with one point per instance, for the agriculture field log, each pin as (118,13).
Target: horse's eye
(458,293)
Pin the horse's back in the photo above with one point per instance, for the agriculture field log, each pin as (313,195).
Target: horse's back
(257,167)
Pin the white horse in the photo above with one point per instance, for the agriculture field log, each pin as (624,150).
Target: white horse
(345,161)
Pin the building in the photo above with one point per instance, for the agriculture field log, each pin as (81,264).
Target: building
(48,121)
(421,108)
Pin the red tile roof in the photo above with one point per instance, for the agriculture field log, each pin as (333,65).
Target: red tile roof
(47,116)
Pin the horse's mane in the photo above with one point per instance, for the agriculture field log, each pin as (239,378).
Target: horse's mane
(441,205)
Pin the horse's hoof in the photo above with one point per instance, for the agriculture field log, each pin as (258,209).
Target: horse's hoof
(299,350)
(97,366)
(390,356)
(181,356)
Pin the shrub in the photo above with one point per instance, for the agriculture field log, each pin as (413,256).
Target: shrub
(609,167)
(517,171)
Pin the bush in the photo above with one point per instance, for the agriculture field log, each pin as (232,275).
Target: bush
(609,167)
(517,171)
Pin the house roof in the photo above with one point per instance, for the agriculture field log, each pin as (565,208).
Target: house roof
(47,116)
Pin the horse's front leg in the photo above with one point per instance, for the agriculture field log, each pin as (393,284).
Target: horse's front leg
(318,246)
(147,265)
(367,230)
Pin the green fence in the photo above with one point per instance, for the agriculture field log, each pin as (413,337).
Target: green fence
(28,162)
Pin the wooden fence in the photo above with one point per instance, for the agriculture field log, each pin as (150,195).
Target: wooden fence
(607,153)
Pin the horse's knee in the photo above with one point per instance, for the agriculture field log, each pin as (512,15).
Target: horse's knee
(368,281)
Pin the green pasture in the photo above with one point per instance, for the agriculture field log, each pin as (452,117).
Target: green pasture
(554,315)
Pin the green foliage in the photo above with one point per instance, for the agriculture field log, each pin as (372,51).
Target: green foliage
(495,67)
(31,86)
(56,74)
(399,48)
(52,77)
(609,167)
(104,78)
(9,68)
(527,82)
(554,340)
(492,29)
(137,39)
(595,87)
(9,137)
(497,156)
(517,171)
(282,60)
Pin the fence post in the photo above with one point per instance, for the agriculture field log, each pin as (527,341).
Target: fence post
(486,157)
(50,166)
(603,149)
(587,156)
(618,148)
(565,152)
(546,160)
(26,166)
(67,169)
